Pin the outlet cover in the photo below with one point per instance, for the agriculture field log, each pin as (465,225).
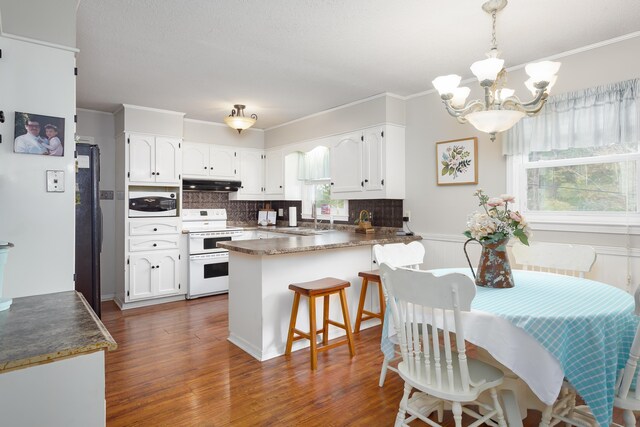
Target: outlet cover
(55,181)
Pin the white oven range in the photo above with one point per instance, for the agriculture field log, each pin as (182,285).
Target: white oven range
(208,264)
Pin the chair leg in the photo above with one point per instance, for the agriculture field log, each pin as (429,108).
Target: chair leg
(402,411)
(383,372)
(325,321)
(629,418)
(312,332)
(292,322)
(363,297)
(347,322)
(383,303)
(496,404)
(456,408)
(546,416)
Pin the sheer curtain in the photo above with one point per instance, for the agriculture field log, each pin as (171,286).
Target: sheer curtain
(314,165)
(594,117)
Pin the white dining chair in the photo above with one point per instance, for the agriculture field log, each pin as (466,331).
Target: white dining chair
(427,312)
(626,398)
(561,258)
(398,255)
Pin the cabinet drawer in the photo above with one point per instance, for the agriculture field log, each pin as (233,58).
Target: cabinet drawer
(148,226)
(137,244)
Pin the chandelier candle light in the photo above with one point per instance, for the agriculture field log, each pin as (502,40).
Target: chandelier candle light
(237,119)
(500,109)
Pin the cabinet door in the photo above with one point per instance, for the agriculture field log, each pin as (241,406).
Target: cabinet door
(141,158)
(168,160)
(274,173)
(372,159)
(140,277)
(195,159)
(346,164)
(223,163)
(167,274)
(251,172)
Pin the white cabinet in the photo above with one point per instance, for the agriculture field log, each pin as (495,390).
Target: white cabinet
(154,159)
(200,160)
(369,164)
(274,174)
(346,164)
(153,275)
(251,175)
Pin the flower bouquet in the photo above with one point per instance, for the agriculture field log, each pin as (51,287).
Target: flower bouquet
(492,228)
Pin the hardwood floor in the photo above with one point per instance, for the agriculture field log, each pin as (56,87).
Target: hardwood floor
(175,367)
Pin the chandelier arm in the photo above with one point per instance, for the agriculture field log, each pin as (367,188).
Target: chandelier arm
(530,108)
(473,106)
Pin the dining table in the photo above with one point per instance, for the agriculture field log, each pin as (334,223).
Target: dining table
(549,328)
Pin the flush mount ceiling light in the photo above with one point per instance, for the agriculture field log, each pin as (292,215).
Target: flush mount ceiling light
(238,121)
(500,109)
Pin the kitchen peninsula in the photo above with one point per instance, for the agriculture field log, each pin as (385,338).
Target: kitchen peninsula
(260,272)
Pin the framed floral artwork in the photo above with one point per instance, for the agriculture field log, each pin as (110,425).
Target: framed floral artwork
(457,161)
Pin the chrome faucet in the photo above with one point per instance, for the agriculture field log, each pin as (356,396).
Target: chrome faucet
(314,215)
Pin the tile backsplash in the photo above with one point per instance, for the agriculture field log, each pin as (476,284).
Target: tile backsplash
(386,213)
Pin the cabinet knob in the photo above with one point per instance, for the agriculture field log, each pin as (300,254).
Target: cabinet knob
(205,167)
(155,229)
(332,183)
(153,266)
(153,173)
(281,186)
(157,173)
(155,244)
(374,261)
(361,183)
(157,266)
(366,180)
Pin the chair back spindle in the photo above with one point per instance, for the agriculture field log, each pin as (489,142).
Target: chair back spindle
(560,258)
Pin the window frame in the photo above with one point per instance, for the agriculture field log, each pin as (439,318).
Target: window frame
(602,222)
(307,203)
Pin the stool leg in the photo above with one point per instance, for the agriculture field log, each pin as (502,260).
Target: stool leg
(325,321)
(292,322)
(347,322)
(312,332)
(383,303)
(363,296)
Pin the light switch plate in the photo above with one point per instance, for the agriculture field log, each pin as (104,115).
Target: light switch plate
(55,181)
(280,212)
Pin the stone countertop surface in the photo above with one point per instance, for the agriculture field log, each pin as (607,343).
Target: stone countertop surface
(42,328)
(329,239)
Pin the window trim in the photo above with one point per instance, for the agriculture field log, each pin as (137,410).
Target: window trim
(594,222)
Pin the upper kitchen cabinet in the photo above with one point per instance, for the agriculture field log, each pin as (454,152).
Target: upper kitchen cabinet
(346,164)
(251,175)
(369,164)
(206,161)
(154,159)
(274,174)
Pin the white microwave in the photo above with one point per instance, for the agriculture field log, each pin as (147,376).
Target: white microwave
(149,204)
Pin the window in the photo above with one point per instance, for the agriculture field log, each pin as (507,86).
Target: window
(578,162)
(319,192)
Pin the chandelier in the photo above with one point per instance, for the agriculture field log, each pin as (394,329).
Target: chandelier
(237,119)
(500,109)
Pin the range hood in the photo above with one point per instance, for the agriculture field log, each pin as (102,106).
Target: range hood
(204,185)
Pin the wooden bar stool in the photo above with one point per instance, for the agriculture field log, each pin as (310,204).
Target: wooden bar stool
(314,289)
(374,277)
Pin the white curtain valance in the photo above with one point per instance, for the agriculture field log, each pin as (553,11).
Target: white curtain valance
(314,165)
(598,116)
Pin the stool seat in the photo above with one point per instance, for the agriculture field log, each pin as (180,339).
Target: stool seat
(373,275)
(320,286)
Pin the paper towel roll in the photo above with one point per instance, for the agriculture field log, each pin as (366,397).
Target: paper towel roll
(293,216)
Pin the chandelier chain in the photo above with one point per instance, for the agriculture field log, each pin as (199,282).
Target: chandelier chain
(494,42)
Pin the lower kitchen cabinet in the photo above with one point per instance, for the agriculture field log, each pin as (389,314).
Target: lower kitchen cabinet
(154,274)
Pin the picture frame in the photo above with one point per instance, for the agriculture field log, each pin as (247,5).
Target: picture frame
(457,161)
(38,134)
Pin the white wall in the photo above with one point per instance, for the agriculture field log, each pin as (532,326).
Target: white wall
(40,224)
(50,21)
(439,213)
(101,127)
(221,134)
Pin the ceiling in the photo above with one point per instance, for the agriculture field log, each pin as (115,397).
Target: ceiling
(286,59)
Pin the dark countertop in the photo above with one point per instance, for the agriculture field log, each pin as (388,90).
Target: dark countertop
(42,328)
(332,239)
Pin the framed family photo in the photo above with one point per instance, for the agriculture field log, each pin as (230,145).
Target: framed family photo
(457,161)
(38,134)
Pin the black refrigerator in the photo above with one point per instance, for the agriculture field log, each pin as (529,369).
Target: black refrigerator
(88,224)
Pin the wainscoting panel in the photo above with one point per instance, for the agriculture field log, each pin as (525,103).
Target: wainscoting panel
(616,266)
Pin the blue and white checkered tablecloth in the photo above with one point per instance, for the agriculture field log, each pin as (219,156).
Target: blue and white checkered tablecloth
(587,326)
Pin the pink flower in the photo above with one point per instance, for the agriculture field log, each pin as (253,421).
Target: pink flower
(495,201)
(508,198)
(515,216)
